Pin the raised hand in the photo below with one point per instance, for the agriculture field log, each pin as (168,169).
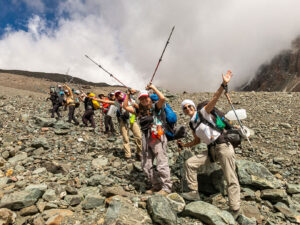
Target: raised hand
(227,77)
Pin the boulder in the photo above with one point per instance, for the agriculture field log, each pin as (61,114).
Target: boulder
(19,200)
(73,199)
(93,201)
(28,211)
(161,210)
(274,195)
(40,142)
(290,214)
(17,158)
(49,195)
(122,211)
(293,188)
(208,214)
(97,179)
(255,175)
(243,220)
(45,122)
(7,217)
(40,187)
(177,202)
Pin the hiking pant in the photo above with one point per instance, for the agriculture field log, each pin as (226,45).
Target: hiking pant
(108,123)
(154,148)
(224,154)
(124,128)
(55,109)
(89,116)
(71,114)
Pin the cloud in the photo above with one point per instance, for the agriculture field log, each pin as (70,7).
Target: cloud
(127,38)
(36,5)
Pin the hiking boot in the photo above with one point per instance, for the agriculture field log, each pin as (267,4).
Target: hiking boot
(163,193)
(77,123)
(191,196)
(235,213)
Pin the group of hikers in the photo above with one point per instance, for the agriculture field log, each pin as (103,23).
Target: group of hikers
(147,118)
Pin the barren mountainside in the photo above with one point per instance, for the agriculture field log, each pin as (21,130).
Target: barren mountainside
(281,74)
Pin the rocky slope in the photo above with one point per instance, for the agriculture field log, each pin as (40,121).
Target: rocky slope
(52,172)
(281,74)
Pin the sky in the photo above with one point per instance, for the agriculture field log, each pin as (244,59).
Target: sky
(127,37)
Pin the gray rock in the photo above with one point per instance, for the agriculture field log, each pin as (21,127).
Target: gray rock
(122,211)
(20,157)
(61,132)
(71,190)
(293,188)
(96,180)
(99,162)
(290,214)
(160,210)
(60,124)
(5,154)
(243,220)
(45,122)
(73,199)
(39,171)
(256,175)
(177,202)
(49,195)
(40,142)
(93,201)
(40,187)
(208,213)
(28,211)
(19,200)
(274,195)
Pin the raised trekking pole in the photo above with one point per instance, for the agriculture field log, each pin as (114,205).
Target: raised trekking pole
(160,59)
(110,74)
(240,122)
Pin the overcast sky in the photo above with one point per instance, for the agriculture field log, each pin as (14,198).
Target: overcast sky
(127,37)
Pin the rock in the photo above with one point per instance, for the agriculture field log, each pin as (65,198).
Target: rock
(19,200)
(99,162)
(20,157)
(73,199)
(274,195)
(293,188)
(38,221)
(5,154)
(93,201)
(208,213)
(40,187)
(40,142)
(55,216)
(61,132)
(256,175)
(55,220)
(110,191)
(45,122)
(122,211)
(54,167)
(71,190)
(285,125)
(39,171)
(290,214)
(96,180)
(7,217)
(160,210)
(177,202)
(60,124)
(251,211)
(49,195)
(28,211)
(243,220)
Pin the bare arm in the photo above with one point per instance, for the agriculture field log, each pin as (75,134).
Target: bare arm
(70,90)
(126,106)
(161,97)
(104,101)
(192,143)
(212,103)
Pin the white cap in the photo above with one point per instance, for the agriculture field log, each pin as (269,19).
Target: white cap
(187,101)
(143,93)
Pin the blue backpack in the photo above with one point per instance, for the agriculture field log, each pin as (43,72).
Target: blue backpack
(169,120)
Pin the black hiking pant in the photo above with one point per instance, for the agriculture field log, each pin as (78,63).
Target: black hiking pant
(55,109)
(71,114)
(89,116)
(108,123)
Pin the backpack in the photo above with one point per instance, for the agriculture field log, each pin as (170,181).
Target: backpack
(229,133)
(169,120)
(105,106)
(92,104)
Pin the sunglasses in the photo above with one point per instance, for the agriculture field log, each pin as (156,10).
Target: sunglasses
(188,107)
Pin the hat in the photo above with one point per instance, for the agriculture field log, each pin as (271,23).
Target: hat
(77,92)
(117,92)
(91,95)
(66,91)
(187,101)
(59,86)
(143,93)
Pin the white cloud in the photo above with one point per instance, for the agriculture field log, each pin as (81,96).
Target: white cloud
(37,5)
(127,38)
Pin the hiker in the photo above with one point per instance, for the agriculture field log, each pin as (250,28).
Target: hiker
(56,100)
(70,103)
(126,122)
(154,140)
(108,123)
(90,105)
(219,148)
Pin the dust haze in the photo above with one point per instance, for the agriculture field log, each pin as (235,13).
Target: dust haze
(127,38)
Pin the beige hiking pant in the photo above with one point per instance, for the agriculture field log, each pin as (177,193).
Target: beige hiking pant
(154,148)
(124,129)
(225,156)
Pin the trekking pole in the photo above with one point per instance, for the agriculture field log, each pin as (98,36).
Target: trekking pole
(240,122)
(110,74)
(160,59)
